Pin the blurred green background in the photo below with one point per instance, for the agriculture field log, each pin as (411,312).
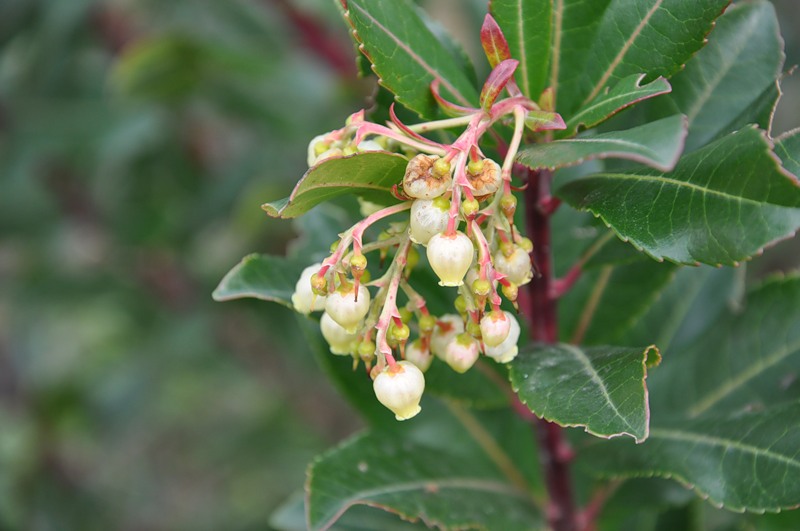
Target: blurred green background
(137,140)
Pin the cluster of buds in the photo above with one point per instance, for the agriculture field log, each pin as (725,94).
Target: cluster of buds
(459,206)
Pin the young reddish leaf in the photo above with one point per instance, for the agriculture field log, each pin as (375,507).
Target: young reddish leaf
(494,43)
(449,108)
(497,81)
(544,121)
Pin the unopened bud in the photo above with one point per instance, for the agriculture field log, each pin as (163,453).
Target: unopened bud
(510,291)
(474,329)
(441,168)
(427,323)
(358,262)
(481,287)
(319,284)
(461,304)
(469,207)
(525,244)
(508,204)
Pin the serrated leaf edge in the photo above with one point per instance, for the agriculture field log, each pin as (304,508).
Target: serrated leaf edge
(645,356)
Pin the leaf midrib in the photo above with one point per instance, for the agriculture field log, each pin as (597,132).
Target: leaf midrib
(623,51)
(708,440)
(678,183)
(595,377)
(718,394)
(415,56)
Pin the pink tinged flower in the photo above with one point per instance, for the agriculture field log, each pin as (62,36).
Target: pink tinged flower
(508,349)
(428,218)
(343,307)
(304,300)
(450,257)
(495,327)
(447,327)
(421,357)
(340,341)
(462,352)
(400,389)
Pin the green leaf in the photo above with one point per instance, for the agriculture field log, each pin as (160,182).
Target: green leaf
(406,56)
(630,289)
(684,310)
(743,461)
(260,276)
(598,43)
(722,204)
(526,25)
(477,388)
(291,516)
(742,359)
(416,481)
(626,92)
(787,147)
(657,144)
(599,388)
(736,69)
(370,175)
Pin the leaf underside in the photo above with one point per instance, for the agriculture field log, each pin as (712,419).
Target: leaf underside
(370,175)
(657,144)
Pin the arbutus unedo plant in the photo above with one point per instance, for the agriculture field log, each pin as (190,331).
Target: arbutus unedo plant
(539,314)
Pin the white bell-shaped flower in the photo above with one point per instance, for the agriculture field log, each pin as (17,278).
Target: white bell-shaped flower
(447,327)
(462,352)
(428,217)
(421,357)
(340,341)
(450,257)
(508,349)
(345,309)
(494,328)
(517,267)
(400,389)
(304,300)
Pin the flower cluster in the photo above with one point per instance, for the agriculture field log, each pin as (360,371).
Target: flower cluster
(458,205)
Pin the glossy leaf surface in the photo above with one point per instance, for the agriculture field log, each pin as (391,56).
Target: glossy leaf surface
(732,72)
(600,388)
(626,92)
(722,204)
(742,461)
(406,55)
(602,41)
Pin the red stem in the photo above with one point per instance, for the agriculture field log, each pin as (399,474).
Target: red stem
(540,311)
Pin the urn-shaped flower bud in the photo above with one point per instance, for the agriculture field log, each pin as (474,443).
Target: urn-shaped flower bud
(450,257)
(428,217)
(419,356)
(516,266)
(339,340)
(507,350)
(486,178)
(400,389)
(462,352)
(368,145)
(304,299)
(424,178)
(447,327)
(494,328)
(343,307)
